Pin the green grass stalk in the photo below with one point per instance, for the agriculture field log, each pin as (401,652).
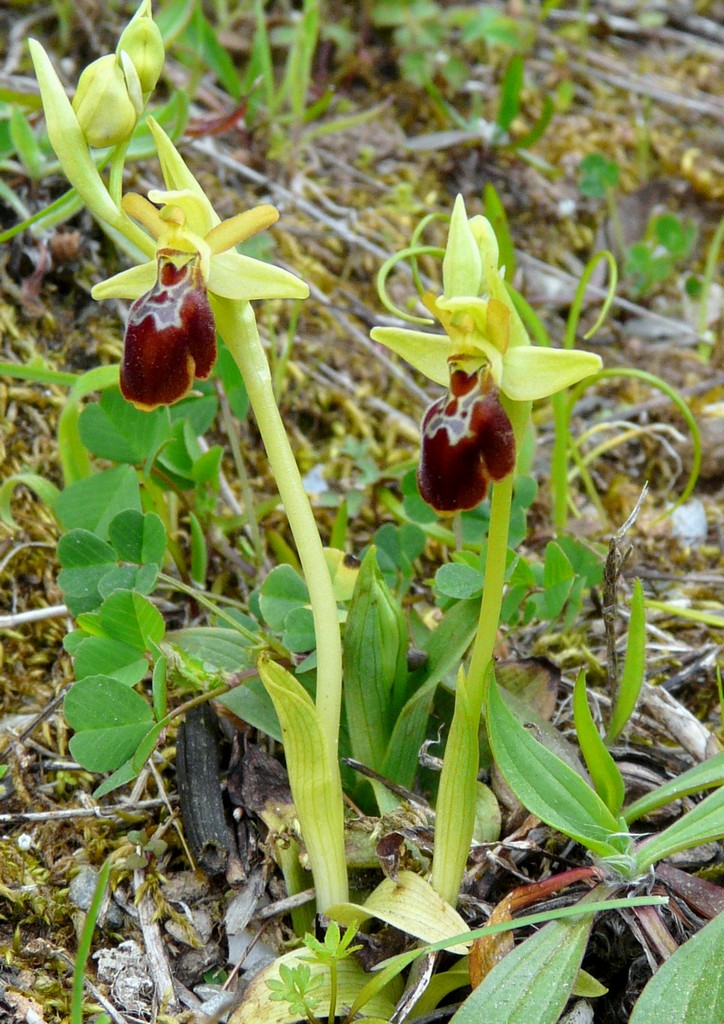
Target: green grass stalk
(84,944)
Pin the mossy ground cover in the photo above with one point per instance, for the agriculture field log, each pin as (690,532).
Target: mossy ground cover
(400,136)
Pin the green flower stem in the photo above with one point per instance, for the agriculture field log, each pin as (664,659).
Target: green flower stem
(237,324)
(497,552)
(559,462)
(455,812)
(115,180)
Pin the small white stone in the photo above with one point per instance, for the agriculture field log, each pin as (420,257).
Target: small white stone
(688,522)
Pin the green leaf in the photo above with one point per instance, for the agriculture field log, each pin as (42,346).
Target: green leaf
(259,1003)
(545,784)
(82,549)
(607,779)
(196,412)
(445,648)
(216,647)
(677,236)
(172,18)
(26,145)
(534,981)
(298,634)
(99,655)
(558,577)
(459,581)
(129,577)
(85,559)
(375,665)
(495,212)
(537,131)
(281,592)
(202,42)
(634,666)
(688,988)
(703,824)
(110,720)
(120,777)
(408,903)
(701,776)
(137,537)
(597,175)
(510,93)
(93,502)
(252,704)
(114,429)
(131,619)
(314,780)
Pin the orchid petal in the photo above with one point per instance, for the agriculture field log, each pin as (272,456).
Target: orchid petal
(234,276)
(530,373)
(461,266)
(231,232)
(495,285)
(175,172)
(426,352)
(129,284)
(497,328)
(145,213)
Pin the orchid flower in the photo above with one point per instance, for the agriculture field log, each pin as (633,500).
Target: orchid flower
(486,361)
(170,335)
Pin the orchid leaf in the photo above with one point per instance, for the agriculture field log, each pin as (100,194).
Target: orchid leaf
(703,824)
(632,676)
(408,903)
(688,988)
(547,786)
(534,981)
(702,776)
(607,779)
(314,780)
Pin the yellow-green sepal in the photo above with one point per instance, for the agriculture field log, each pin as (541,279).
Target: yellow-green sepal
(530,373)
(234,276)
(462,272)
(175,172)
(129,284)
(426,352)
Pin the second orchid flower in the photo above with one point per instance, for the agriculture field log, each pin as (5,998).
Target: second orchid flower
(485,360)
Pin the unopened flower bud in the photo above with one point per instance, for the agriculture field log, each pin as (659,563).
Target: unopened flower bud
(105,110)
(142,41)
